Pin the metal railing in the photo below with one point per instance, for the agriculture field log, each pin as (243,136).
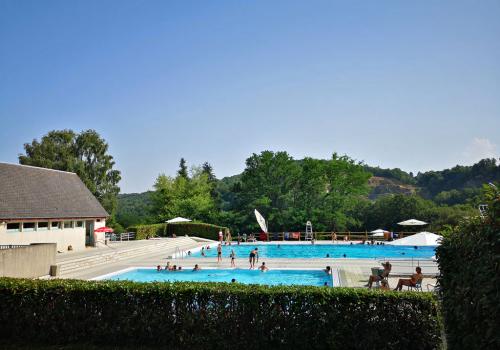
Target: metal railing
(333,236)
(120,237)
(13,246)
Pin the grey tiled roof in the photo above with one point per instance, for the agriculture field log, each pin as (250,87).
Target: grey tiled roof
(28,192)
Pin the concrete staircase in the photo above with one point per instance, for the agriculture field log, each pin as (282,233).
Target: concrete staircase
(168,246)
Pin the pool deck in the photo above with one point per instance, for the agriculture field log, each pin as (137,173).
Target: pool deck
(347,272)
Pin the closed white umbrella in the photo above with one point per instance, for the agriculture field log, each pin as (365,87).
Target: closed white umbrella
(261,221)
(378,233)
(419,239)
(177,219)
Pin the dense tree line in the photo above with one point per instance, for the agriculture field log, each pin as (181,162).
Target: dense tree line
(331,193)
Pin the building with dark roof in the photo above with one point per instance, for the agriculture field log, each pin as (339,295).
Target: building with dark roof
(39,205)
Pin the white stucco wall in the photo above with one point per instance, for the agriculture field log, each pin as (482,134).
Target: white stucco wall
(99,236)
(62,237)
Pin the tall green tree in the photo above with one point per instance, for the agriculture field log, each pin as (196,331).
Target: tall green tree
(289,192)
(268,184)
(183,170)
(85,153)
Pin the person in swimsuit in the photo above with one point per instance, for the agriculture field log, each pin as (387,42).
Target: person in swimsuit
(410,281)
(257,254)
(252,258)
(232,256)
(202,251)
(167,267)
(158,268)
(263,267)
(196,268)
(328,270)
(219,253)
(381,276)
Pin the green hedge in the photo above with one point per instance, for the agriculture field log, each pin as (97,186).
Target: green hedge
(180,229)
(148,231)
(195,229)
(469,261)
(215,315)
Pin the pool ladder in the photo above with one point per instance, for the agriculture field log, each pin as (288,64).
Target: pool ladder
(178,253)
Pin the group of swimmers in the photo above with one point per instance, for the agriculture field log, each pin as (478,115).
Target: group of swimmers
(169,267)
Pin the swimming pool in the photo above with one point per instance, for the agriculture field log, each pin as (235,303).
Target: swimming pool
(355,251)
(271,277)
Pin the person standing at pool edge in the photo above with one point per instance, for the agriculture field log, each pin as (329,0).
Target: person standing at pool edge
(232,256)
(220,236)
(251,258)
(219,253)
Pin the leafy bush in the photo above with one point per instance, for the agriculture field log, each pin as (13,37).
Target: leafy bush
(469,261)
(197,229)
(148,231)
(215,315)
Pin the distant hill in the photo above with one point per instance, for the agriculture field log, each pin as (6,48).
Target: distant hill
(381,186)
(133,209)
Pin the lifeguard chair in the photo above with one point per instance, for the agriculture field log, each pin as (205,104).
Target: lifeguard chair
(309,232)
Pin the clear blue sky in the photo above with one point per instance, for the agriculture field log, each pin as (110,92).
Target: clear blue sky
(409,84)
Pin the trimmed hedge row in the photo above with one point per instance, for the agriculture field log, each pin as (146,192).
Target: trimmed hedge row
(469,261)
(215,315)
(198,229)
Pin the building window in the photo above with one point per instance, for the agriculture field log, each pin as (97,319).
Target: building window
(80,224)
(28,226)
(42,226)
(55,225)
(68,224)
(13,227)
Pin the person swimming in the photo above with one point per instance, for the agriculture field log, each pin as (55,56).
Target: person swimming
(158,268)
(263,267)
(196,268)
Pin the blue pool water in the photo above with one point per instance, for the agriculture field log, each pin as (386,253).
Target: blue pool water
(271,277)
(355,251)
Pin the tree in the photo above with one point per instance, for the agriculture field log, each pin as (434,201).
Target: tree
(183,171)
(86,154)
(268,184)
(289,192)
(186,197)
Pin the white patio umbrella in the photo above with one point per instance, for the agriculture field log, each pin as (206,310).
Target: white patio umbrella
(419,239)
(177,219)
(378,233)
(412,222)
